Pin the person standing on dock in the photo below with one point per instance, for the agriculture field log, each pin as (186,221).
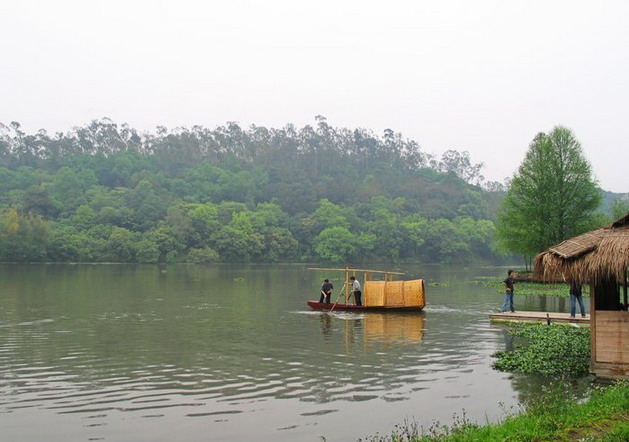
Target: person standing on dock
(326,291)
(508,302)
(576,294)
(355,287)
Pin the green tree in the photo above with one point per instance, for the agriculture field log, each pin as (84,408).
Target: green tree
(147,250)
(236,245)
(38,200)
(69,186)
(202,256)
(414,228)
(386,228)
(279,244)
(68,245)
(238,241)
(552,195)
(329,215)
(83,218)
(23,237)
(444,242)
(121,246)
(167,241)
(204,220)
(335,244)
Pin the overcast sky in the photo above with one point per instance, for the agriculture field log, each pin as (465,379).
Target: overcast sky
(483,76)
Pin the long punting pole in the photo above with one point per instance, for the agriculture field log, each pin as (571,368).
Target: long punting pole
(346,285)
(338,298)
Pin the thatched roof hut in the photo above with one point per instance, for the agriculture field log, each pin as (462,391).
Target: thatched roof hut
(599,258)
(588,258)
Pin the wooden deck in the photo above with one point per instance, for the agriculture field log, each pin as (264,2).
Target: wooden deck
(553,317)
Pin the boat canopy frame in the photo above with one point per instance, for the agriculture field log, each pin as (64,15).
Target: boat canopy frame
(350,271)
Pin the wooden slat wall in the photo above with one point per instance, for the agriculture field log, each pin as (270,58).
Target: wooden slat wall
(612,337)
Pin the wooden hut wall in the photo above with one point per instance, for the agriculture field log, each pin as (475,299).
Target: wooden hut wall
(610,330)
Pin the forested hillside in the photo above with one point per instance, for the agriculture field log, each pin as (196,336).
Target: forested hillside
(104,192)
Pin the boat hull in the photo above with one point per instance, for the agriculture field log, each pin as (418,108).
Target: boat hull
(361,308)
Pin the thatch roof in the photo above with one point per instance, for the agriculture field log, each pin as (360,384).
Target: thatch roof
(590,257)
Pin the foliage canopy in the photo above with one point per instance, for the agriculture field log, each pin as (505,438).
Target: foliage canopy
(552,196)
(104,192)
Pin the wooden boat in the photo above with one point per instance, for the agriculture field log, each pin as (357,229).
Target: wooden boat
(315,305)
(384,295)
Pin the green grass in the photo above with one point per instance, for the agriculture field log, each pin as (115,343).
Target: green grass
(558,416)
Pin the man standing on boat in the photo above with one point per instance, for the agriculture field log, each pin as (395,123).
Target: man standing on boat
(326,291)
(355,287)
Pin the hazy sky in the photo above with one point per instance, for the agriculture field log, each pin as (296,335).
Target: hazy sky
(482,76)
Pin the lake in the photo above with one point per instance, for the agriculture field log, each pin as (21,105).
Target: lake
(231,353)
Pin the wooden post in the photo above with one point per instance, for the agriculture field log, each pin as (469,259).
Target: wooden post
(625,290)
(346,284)
(592,327)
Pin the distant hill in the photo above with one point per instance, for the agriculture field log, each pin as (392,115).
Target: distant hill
(106,192)
(609,198)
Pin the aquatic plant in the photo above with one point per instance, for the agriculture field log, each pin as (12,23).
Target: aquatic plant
(547,350)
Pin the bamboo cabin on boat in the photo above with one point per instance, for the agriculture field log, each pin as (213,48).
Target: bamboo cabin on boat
(599,258)
(378,295)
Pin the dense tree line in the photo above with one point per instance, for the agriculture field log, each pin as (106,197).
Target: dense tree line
(105,192)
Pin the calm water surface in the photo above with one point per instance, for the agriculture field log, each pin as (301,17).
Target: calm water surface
(231,353)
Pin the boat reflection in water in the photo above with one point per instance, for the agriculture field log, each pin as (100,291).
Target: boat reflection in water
(376,328)
(394,328)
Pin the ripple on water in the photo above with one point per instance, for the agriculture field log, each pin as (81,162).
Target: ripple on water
(214,413)
(319,412)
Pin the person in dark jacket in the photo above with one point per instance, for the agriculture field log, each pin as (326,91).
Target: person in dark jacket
(326,291)
(508,302)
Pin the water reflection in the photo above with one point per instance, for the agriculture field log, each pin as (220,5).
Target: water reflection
(534,390)
(394,328)
(326,324)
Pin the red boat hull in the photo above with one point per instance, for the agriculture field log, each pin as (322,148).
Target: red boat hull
(360,308)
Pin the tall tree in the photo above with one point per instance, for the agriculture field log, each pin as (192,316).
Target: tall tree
(552,195)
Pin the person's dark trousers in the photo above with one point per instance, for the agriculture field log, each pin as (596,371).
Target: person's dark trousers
(508,302)
(327,299)
(357,296)
(573,307)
